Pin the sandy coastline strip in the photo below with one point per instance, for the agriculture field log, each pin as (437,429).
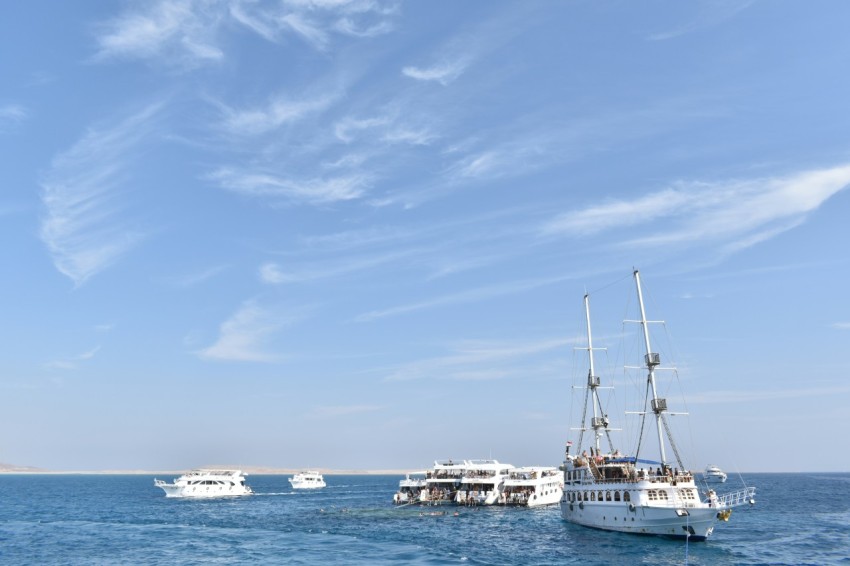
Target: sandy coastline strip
(249,470)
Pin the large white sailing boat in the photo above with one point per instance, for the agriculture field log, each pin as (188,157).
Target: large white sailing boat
(612,491)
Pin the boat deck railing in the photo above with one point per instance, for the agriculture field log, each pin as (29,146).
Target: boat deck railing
(736,498)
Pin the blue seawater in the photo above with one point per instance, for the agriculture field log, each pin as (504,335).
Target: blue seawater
(124,519)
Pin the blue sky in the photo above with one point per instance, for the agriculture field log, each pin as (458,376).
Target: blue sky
(356,233)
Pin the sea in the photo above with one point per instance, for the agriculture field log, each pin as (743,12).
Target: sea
(124,519)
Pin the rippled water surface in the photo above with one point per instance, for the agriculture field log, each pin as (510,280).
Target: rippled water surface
(114,519)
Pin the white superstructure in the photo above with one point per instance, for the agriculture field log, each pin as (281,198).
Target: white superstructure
(533,487)
(482,482)
(206,483)
(609,490)
(307,480)
(443,481)
(412,489)
(714,474)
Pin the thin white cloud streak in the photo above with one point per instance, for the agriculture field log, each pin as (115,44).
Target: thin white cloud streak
(313,191)
(12,114)
(466,363)
(279,111)
(193,279)
(841,325)
(185,33)
(739,213)
(73,362)
(246,335)
(315,22)
(335,411)
(83,227)
(710,13)
(273,274)
(472,295)
(171,31)
(444,72)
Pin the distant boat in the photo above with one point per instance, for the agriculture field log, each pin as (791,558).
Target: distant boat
(533,487)
(713,474)
(307,480)
(206,483)
(612,491)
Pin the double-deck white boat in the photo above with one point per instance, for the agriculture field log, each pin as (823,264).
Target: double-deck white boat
(533,487)
(482,482)
(206,483)
(443,481)
(714,474)
(412,489)
(307,480)
(612,491)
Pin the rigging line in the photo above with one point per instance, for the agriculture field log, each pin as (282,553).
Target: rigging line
(642,423)
(600,289)
(672,443)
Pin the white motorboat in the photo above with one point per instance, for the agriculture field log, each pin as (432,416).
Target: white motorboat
(206,483)
(307,480)
(533,487)
(482,482)
(412,489)
(443,481)
(714,474)
(612,491)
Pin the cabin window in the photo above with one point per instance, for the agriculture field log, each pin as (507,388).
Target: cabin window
(652,495)
(593,497)
(607,496)
(662,494)
(616,496)
(626,496)
(585,496)
(601,497)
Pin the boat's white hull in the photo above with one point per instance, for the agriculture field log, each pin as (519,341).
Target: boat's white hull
(696,523)
(201,492)
(312,485)
(541,499)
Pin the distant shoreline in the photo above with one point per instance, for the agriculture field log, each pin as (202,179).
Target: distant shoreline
(246,469)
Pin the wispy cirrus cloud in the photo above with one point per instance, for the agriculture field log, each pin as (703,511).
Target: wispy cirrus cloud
(266,184)
(279,111)
(180,32)
(499,360)
(83,225)
(12,115)
(185,33)
(316,22)
(469,296)
(73,362)
(389,129)
(732,214)
(709,13)
(275,274)
(841,325)
(444,72)
(246,335)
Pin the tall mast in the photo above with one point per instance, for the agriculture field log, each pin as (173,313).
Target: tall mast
(600,421)
(652,360)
